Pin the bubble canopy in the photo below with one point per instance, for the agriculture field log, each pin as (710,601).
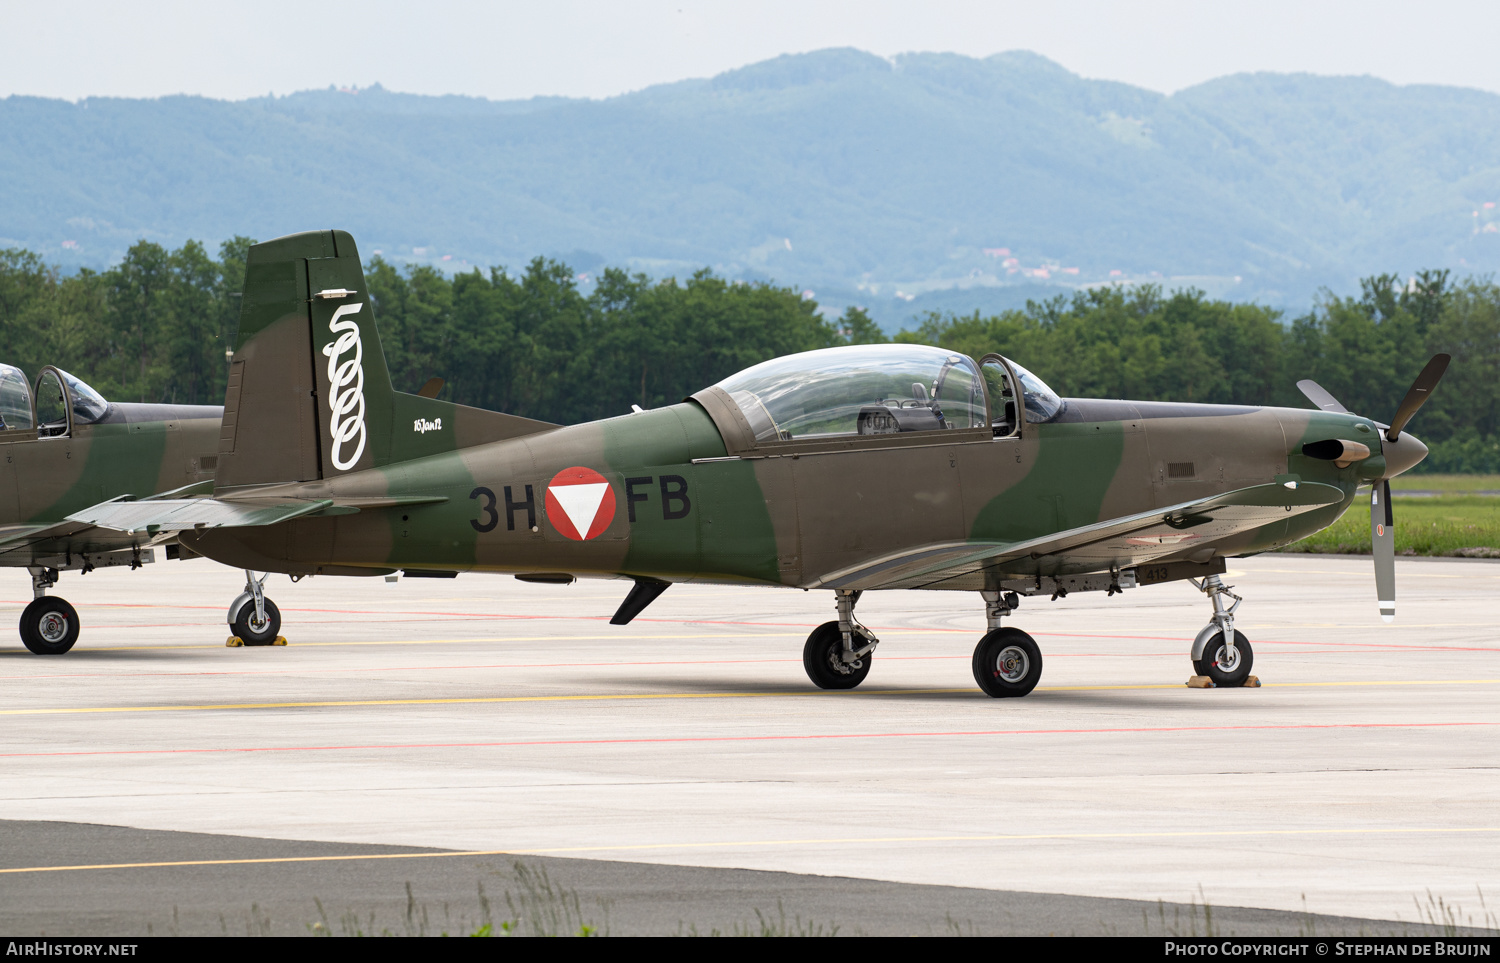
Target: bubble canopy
(870,389)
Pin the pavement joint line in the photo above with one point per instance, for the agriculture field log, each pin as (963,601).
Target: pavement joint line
(630,696)
(644,847)
(793,737)
(303,670)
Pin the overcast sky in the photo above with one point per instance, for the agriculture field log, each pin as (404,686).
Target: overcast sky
(596,49)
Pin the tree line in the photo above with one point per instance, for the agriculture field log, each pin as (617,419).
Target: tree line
(156,327)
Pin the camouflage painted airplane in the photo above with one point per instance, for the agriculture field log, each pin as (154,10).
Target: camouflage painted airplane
(65,449)
(849,469)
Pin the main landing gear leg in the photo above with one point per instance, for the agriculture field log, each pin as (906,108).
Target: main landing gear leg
(254,618)
(1221,652)
(1007,661)
(49,625)
(837,654)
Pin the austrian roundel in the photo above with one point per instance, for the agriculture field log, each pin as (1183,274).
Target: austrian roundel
(580,503)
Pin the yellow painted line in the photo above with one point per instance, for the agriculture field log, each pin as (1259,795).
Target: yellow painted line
(640,696)
(613,637)
(699,637)
(734,844)
(618,697)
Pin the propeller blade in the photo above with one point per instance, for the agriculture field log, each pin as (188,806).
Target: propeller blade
(1417,396)
(1383,541)
(1319,397)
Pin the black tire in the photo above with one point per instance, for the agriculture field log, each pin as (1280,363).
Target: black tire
(1007,663)
(821,657)
(252,634)
(1231,676)
(49,626)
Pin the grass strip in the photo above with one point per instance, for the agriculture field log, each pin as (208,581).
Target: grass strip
(1462,526)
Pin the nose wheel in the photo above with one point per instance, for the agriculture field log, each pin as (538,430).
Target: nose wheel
(1226,669)
(1221,652)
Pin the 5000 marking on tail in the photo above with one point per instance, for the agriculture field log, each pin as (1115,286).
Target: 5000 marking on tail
(346,388)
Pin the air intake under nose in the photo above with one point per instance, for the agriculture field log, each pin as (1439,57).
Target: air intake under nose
(1341,453)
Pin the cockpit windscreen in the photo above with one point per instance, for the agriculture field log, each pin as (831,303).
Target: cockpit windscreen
(89,407)
(873,389)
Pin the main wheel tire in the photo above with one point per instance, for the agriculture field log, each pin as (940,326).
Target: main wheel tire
(1230,675)
(252,632)
(49,626)
(822,658)
(1007,663)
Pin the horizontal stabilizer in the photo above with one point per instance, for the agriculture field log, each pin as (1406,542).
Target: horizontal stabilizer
(178,514)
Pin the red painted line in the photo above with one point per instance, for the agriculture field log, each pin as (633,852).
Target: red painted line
(783,738)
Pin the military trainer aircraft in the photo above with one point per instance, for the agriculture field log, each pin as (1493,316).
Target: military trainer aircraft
(65,449)
(849,469)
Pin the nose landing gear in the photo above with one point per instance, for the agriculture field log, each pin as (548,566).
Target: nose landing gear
(49,625)
(254,618)
(1221,652)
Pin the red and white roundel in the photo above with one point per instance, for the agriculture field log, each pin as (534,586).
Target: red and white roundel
(580,503)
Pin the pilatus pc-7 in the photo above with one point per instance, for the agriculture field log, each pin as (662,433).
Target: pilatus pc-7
(849,469)
(63,448)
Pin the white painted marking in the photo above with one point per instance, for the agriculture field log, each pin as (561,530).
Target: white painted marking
(581,503)
(346,388)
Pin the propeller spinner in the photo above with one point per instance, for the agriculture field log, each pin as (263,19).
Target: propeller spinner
(1401,452)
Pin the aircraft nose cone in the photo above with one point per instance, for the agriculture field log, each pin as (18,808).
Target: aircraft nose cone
(1402,454)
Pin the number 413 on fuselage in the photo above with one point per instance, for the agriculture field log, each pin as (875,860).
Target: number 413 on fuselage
(848,469)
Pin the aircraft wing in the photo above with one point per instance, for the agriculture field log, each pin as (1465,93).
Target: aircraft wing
(22,545)
(11,535)
(177,514)
(1126,541)
(162,514)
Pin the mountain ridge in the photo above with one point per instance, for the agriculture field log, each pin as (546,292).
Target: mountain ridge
(853,175)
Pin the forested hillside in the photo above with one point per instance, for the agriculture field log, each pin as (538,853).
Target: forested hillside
(155,327)
(956,182)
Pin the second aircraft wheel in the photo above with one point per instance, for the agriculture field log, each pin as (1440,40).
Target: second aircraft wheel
(822,658)
(1226,673)
(1007,663)
(251,630)
(49,626)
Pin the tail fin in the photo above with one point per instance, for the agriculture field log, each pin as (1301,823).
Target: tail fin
(309,392)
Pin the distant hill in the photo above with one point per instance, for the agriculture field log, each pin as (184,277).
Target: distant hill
(852,175)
